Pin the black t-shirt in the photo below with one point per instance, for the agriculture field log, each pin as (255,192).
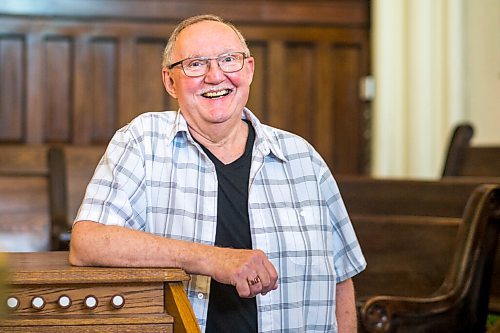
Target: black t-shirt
(227,311)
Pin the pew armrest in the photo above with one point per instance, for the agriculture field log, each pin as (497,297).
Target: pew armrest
(383,313)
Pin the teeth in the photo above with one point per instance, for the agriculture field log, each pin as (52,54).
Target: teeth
(213,94)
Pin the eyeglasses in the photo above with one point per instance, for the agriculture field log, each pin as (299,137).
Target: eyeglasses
(228,63)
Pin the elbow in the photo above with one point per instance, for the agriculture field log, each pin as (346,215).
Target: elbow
(76,256)
(81,249)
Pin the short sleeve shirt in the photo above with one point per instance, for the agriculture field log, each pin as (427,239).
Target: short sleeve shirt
(155,178)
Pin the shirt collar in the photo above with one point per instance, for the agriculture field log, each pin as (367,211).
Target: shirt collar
(266,139)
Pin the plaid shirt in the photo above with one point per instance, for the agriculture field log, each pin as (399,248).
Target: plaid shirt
(154,177)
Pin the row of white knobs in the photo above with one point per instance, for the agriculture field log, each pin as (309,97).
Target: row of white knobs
(64,302)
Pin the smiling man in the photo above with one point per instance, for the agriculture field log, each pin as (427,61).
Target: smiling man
(251,211)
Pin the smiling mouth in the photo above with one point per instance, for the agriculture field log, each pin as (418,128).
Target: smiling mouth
(217,94)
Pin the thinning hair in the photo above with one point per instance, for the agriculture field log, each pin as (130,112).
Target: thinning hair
(167,52)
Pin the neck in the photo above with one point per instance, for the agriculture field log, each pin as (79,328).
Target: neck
(226,143)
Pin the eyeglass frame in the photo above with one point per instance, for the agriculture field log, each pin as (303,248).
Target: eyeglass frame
(245,56)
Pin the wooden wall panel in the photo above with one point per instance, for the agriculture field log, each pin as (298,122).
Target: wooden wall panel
(300,109)
(151,94)
(11,88)
(257,98)
(58,89)
(103,93)
(347,126)
(91,73)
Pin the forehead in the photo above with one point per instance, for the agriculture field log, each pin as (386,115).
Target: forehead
(206,38)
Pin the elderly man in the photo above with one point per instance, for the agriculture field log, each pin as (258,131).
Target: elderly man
(252,212)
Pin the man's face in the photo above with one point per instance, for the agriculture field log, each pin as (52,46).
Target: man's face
(215,97)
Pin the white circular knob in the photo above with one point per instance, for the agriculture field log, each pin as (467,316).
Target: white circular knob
(117,301)
(90,302)
(64,301)
(38,303)
(12,303)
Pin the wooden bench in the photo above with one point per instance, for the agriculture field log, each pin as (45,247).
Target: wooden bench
(24,201)
(71,168)
(478,163)
(429,247)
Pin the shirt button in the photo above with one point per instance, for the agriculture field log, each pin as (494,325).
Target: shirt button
(200,295)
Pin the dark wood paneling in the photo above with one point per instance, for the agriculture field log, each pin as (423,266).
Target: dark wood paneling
(301,109)
(104,70)
(89,75)
(256,101)
(150,91)
(58,80)
(342,12)
(347,126)
(11,88)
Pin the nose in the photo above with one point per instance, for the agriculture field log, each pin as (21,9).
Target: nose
(214,74)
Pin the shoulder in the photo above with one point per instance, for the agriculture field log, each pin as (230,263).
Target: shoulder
(149,125)
(292,146)
(151,120)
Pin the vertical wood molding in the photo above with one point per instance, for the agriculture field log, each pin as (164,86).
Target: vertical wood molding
(82,71)
(126,94)
(323,134)
(34,99)
(276,84)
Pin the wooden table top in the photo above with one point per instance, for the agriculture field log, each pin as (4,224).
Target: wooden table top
(53,268)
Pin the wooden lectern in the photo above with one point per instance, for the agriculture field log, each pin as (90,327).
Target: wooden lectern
(44,293)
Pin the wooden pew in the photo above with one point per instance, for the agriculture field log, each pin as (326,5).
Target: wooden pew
(71,168)
(24,203)
(478,163)
(430,249)
(467,160)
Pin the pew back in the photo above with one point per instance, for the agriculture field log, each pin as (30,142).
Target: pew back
(480,164)
(24,202)
(71,168)
(423,242)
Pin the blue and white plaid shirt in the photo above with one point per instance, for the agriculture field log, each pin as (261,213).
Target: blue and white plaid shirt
(154,177)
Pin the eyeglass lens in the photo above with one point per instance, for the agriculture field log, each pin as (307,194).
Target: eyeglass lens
(228,63)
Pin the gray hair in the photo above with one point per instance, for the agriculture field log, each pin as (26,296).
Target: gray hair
(167,52)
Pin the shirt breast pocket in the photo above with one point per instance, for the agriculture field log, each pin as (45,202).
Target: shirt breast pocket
(301,235)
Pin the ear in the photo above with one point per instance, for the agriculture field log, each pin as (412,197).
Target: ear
(250,67)
(168,82)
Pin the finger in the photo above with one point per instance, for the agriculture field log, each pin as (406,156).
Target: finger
(255,285)
(254,281)
(244,289)
(270,279)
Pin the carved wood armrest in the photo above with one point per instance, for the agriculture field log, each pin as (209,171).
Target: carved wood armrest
(379,314)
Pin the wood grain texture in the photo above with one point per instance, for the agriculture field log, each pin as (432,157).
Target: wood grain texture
(103,59)
(53,268)
(49,275)
(133,328)
(178,306)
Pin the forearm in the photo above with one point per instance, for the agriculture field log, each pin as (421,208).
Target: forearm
(346,307)
(94,244)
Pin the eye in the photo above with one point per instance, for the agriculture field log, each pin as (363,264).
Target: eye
(229,58)
(195,63)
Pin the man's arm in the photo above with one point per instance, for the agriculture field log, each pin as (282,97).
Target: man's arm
(95,244)
(346,307)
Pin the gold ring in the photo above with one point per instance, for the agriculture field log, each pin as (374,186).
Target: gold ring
(254,281)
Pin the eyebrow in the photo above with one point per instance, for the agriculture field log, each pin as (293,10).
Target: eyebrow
(204,56)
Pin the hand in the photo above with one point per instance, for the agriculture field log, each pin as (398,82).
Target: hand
(250,271)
